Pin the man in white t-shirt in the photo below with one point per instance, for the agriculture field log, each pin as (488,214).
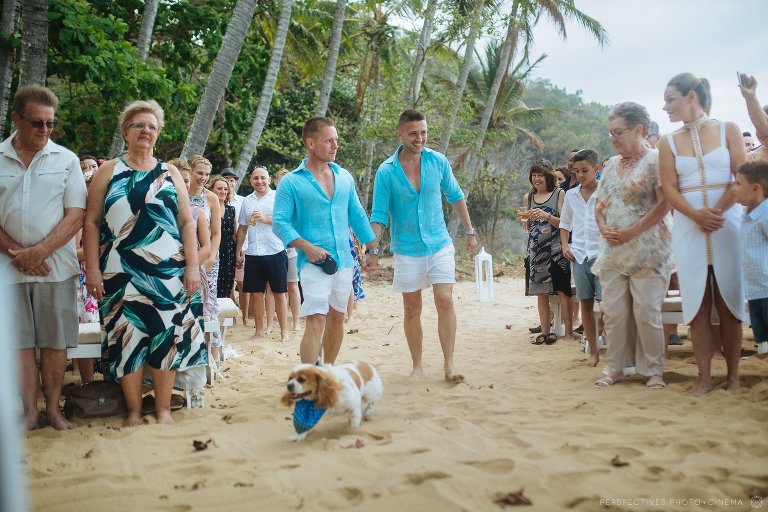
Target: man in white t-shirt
(265,260)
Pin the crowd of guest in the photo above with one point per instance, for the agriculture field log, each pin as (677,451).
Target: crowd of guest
(149,247)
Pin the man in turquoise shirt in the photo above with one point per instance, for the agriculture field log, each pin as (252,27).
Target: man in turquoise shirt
(316,204)
(408,189)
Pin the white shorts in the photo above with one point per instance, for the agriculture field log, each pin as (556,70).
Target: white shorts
(321,290)
(414,273)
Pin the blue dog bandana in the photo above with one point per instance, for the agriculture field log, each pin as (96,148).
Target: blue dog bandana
(305,415)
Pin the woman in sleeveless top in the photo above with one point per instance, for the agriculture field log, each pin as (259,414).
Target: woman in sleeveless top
(634,259)
(698,163)
(547,272)
(141,263)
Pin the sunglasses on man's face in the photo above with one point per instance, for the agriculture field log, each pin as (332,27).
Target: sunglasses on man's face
(37,124)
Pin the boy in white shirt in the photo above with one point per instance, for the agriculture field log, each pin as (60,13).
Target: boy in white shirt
(578,218)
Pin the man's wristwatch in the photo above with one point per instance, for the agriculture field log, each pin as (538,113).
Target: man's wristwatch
(470,232)
(373,252)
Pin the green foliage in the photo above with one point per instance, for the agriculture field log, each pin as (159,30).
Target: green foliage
(577,125)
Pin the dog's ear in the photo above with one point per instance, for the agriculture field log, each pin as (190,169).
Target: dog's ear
(327,390)
(286,400)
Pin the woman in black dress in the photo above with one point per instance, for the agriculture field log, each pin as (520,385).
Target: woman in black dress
(220,187)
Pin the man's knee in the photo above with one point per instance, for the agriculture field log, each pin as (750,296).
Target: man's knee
(444,301)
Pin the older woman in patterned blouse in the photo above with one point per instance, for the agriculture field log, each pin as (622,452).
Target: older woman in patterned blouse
(634,260)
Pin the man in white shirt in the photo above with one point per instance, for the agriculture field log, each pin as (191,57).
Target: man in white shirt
(578,219)
(42,202)
(265,260)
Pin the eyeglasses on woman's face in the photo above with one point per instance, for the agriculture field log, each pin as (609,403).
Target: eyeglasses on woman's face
(615,134)
(142,126)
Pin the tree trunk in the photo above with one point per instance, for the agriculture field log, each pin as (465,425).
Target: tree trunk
(421,53)
(370,143)
(143,43)
(267,90)
(501,73)
(221,118)
(469,53)
(34,42)
(10,16)
(147,27)
(333,55)
(219,77)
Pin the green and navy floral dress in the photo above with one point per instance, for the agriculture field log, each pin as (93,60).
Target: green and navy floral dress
(145,312)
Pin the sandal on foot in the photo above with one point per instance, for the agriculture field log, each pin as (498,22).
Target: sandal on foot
(656,382)
(550,338)
(539,339)
(607,381)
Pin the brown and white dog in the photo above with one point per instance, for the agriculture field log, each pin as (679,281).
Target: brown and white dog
(352,388)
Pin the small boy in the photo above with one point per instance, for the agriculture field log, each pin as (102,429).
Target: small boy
(578,217)
(751,188)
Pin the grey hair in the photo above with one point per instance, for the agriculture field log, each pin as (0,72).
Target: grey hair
(633,115)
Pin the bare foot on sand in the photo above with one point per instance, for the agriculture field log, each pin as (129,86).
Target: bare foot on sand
(569,337)
(133,419)
(416,373)
(31,421)
(452,375)
(733,383)
(163,417)
(284,336)
(57,420)
(245,322)
(592,360)
(702,388)
(256,337)
(296,327)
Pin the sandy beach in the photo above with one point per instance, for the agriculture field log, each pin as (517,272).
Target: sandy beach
(527,417)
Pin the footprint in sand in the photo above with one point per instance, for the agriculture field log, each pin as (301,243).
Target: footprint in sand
(352,494)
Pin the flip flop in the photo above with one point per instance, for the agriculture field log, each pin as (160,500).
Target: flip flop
(539,339)
(607,381)
(656,382)
(550,338)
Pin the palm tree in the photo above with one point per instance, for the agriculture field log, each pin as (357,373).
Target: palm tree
(333,55)
(10,16)
(523,17)
(476,22)
(143,44)
(219,77)
(34,42)
(420,62)
(267,90)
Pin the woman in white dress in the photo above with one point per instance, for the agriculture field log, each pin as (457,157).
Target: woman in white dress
(698,163)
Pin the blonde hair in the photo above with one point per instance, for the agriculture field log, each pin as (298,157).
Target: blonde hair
(141,107)
(280,174)
(229,189)
(198,160)
(181,164)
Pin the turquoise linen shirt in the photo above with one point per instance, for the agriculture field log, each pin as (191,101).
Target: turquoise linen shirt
(302,210)
(418,227)
(754,251)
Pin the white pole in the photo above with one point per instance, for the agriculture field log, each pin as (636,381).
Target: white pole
(13,485)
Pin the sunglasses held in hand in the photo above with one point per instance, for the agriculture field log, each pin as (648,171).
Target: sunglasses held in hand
(328,265)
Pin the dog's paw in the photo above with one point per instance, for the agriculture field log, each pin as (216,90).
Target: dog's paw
(297,437)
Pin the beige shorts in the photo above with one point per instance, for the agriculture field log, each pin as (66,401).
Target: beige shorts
(413,273)
(322,291)
(45,315)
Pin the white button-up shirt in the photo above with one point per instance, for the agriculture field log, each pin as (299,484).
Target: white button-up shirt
(261,240)
(32,203)
(578,217)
